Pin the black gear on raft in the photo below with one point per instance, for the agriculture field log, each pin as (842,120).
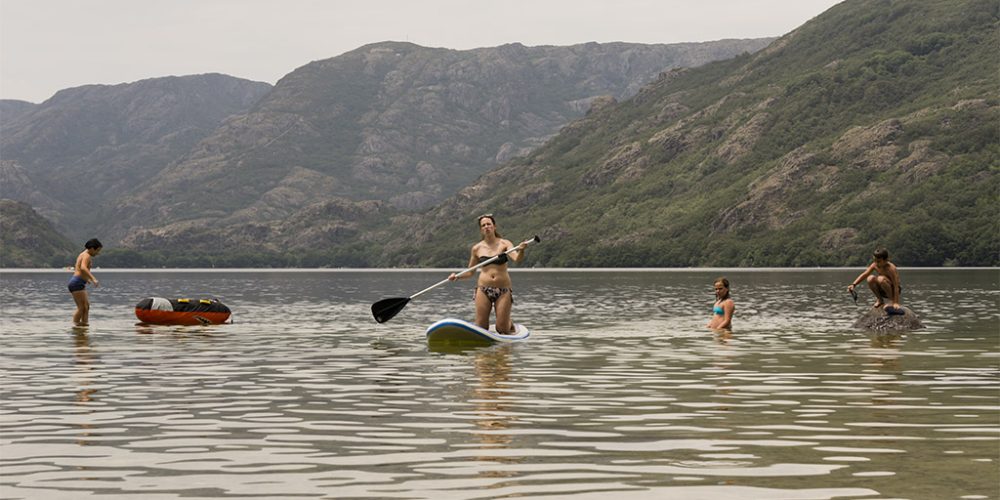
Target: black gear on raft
(160,311)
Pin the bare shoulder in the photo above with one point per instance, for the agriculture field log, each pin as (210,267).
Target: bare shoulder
(505,244)
(894,271)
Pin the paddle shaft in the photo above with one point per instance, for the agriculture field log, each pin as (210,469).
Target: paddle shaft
(473,268)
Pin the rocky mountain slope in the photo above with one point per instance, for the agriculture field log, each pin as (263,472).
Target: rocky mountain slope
(10,109)
(29,240)
(85,146)
(873,124)
(400,124)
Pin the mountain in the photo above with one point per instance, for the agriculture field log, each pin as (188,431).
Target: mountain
(29,240)
(397,123)
(89,145)
(874,124)
(10,109)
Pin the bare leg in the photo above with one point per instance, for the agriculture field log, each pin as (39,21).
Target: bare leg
(483,307)
(81,316)
(877,284)
(503,306)
(890,293)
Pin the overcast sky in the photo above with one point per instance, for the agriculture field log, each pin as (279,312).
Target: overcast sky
(49,45)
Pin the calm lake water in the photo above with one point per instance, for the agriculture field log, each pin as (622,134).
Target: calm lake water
(620,392)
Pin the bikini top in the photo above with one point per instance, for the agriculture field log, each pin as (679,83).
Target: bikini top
(718,310)
(501,260)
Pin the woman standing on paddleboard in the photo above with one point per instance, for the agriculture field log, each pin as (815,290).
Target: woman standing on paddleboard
(493,288)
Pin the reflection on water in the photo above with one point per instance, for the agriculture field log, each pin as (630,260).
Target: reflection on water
(494,419)
(84,361)
(619,392)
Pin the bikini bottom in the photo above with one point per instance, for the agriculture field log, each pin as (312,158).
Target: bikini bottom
(493,293)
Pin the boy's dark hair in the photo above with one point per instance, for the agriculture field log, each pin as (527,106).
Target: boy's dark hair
(881,253)
(93,243)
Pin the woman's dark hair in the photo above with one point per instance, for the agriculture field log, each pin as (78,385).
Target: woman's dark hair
(93,243)
(725,283)
(881,253)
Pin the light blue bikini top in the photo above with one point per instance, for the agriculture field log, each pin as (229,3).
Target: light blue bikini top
(718,310)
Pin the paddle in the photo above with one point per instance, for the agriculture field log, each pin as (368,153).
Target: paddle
(386,309)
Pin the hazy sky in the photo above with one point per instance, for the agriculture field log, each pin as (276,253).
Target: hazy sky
(49,45)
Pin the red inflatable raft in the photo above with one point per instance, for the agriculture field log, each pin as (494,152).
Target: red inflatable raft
(160,311)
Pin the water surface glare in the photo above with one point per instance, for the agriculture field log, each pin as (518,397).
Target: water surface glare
(620,391)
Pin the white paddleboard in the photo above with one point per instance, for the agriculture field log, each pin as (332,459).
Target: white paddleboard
(456,330)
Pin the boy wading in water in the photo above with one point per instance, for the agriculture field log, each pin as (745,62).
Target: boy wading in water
(78,283)
(883,280)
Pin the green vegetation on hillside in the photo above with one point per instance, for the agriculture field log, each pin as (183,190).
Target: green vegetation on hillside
(874,124)
(28,240)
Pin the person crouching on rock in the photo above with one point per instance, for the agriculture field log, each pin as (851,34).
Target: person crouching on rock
(883,280)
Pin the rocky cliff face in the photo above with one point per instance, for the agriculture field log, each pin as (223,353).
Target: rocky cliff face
(310,229)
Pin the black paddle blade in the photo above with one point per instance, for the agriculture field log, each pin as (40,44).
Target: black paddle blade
(854,295)
(385,309)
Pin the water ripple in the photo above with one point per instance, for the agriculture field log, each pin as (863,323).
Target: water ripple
(620,391)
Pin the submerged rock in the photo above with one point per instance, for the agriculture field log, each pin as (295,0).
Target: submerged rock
(880,321)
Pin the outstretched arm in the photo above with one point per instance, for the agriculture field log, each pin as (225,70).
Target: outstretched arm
(466,274)
(861,277)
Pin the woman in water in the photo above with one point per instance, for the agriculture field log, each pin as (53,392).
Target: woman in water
(78,283)
(493,287)
(722,311)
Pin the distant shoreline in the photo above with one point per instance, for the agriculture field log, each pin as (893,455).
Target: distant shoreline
(445,270)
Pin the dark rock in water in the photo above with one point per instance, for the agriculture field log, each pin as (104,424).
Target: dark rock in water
(880,321)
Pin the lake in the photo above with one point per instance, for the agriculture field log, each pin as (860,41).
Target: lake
(619,392)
